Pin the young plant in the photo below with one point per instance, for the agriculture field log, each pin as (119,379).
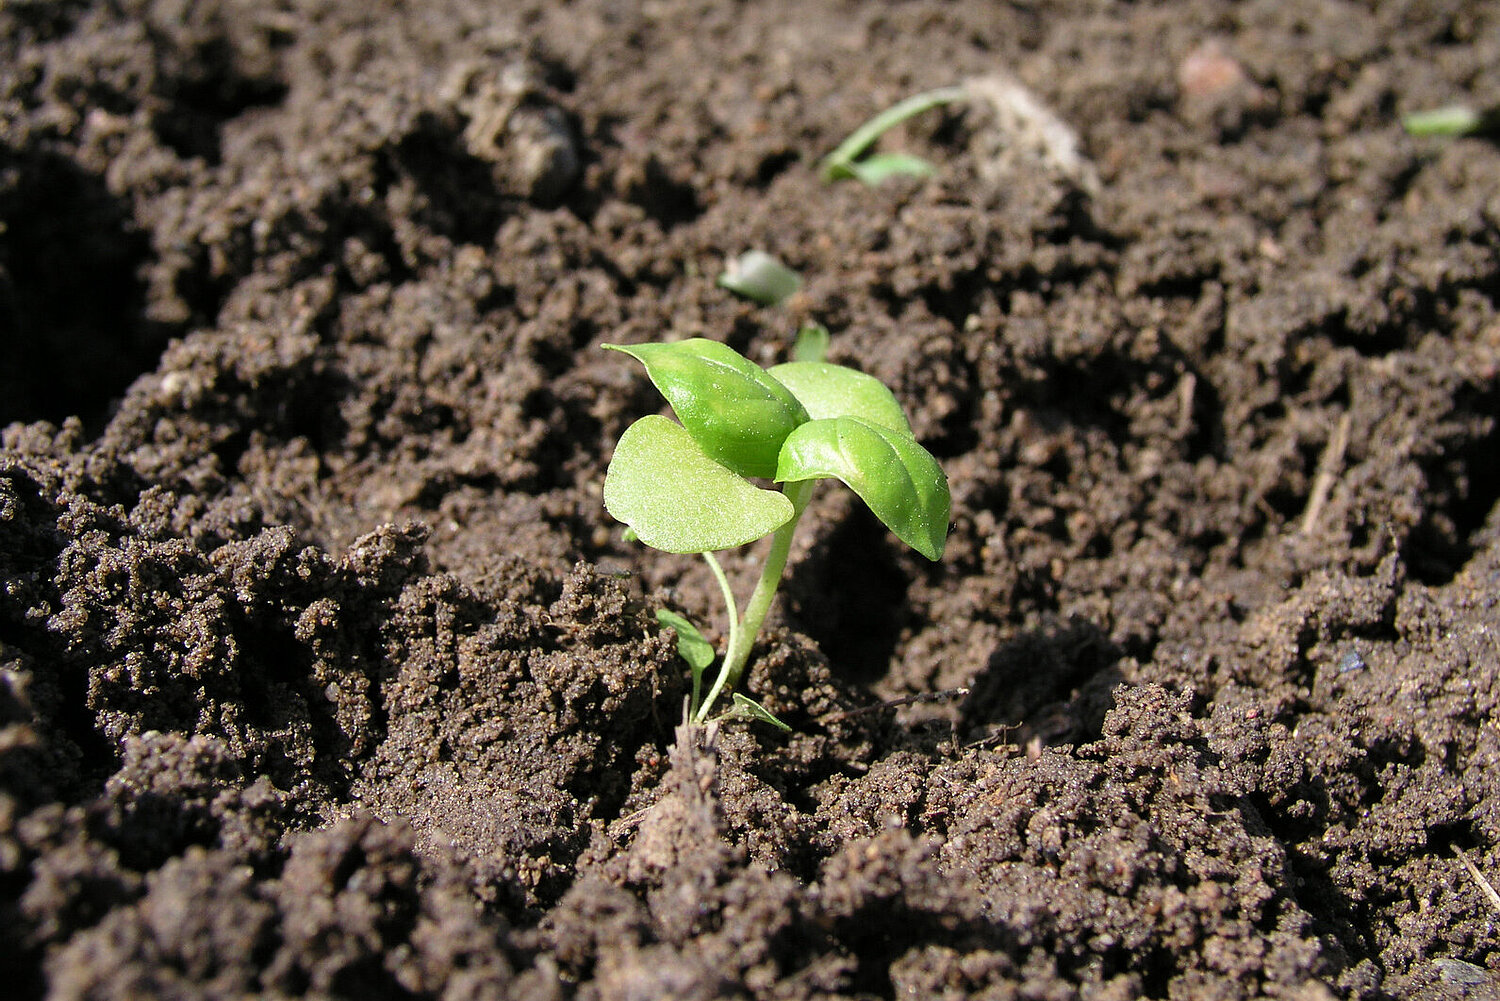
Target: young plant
(689,487)
(848,159)
(761,278)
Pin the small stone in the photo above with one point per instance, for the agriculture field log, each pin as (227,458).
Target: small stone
(1209,72)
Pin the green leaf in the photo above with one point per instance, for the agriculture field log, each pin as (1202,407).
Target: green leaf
(736,413)
(812,343)
(761,278)
(678,499)
(1452,120)
(898,478)
(747,708)
(878,168)
(691,646)
(828,390)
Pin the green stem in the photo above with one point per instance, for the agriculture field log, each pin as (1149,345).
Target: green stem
(742,639)
(734,619)
(861,138)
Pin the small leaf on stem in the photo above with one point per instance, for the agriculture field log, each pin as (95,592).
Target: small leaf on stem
(691,646)
(747,708)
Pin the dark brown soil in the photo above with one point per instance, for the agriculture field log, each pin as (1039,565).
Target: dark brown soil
(323,672)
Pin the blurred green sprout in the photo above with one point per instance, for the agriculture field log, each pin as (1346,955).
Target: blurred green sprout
(1452,120)
(759,277)
(848,160)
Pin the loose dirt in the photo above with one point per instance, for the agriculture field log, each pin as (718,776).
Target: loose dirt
(323,672)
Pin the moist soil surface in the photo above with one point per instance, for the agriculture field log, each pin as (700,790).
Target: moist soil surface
(324,673)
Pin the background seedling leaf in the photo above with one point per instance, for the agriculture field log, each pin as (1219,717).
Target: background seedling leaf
(736,413)
(1452,120)
(761,278)
(898,478)
(876,169)
(828,390)
(678,499)
(691,646)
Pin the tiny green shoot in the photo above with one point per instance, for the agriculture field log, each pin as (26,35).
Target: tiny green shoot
(1452,120)
(689,487)
(761,278)
(848,160)
(811,343)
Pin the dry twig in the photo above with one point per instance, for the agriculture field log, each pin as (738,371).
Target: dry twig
(1484,884)
(1329,466)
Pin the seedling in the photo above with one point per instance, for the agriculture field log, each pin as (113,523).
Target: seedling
(811,343)
(845,161)
(761,278)
(689,487)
